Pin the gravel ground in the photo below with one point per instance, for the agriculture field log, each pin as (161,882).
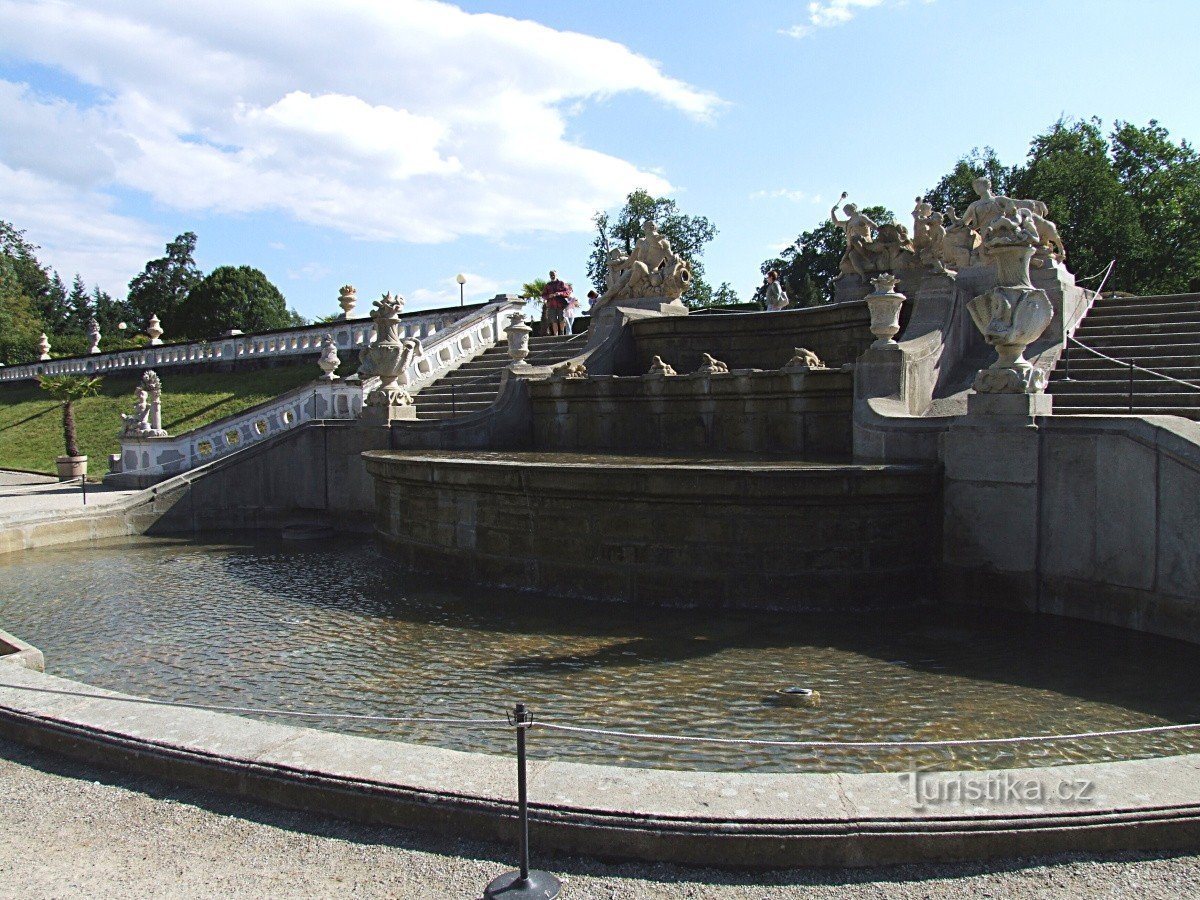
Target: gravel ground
(75,831)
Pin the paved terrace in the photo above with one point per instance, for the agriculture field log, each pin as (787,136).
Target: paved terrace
(25,495)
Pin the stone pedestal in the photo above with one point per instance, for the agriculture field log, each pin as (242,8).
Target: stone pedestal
(991,524)
(386,415)
(613,315)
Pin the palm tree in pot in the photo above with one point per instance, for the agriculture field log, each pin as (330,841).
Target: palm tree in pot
(68,389)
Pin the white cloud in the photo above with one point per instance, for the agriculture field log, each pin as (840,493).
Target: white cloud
(406,120)
(77,230)
(313,271)
(828,13)
(445,292)
(786,194)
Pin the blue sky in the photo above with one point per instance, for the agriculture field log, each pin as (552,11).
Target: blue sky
(395,143)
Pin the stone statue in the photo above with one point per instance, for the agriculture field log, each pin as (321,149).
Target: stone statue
(569,370)
(146,420)
(929,236)
(982,213)
(93,333)
(872,248)
(653,269)
(660,369)
(961,245)
(329,360)
(1014,314)
(389,357)
(804,359)
(711,366)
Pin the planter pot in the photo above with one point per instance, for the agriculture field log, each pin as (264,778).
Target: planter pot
(71,467)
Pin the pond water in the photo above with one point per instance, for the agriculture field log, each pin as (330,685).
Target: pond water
(335,625)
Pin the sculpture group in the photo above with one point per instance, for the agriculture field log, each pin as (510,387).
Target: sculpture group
(651,269)
(146,419)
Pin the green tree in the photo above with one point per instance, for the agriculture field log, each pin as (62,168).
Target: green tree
(33,279)
(69,390)
(808,267)
(532,290)
(725,295)
(79,306)
(20,325)
(164,284)
(954,190)
(688,236)
(233,297)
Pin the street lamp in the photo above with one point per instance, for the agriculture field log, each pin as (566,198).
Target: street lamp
(462,280)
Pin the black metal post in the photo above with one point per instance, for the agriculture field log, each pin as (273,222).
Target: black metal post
(462,294)
(453,401)
(83,487)
(1067,360)
(1131,385)
(523,883)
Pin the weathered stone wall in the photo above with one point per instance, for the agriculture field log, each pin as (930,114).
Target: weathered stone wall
(778,535)
(1091,517)
(793,412)
(838,333)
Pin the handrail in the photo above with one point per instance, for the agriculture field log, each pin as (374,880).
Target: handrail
(1132,365)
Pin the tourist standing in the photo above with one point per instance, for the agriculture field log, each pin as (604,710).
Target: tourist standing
(557,295)
(571,312)
(773,292)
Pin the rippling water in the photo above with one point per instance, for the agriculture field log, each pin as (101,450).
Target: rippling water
(336,625)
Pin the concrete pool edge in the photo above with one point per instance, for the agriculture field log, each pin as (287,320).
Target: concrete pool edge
(705,818)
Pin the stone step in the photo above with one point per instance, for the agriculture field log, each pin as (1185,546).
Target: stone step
(1107,318)
(1157,399)
(1192,413)
(1157,330)
(459,408)
(1146,384)
(1185,343)
(1107,311)
(1082,361)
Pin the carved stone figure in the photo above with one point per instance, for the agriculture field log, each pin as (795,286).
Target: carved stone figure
(711,366)
(804,359)
(1014,314)
(146,420)
(984,212)
(329,360)
(859,229)
(347,297)
(660,369)
(93,333)
(155,331)
(569,370)
(929,236)
(961,246)
(389,357)
(872,248)
(653,269)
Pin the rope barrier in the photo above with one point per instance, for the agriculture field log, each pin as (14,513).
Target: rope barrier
(1125,363)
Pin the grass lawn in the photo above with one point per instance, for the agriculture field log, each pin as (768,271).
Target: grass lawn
(31,423)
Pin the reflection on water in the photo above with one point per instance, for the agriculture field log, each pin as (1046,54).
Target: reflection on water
(335,625)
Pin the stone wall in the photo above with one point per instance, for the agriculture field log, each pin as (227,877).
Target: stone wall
(793,412)
(838,333)
(1091,517)
(779,535)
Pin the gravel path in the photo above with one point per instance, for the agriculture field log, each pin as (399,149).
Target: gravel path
(74,831)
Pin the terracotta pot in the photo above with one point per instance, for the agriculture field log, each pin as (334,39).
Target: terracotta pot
(71,467)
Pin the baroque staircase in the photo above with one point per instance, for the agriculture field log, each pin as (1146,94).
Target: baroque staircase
(475,384)
(1159,333)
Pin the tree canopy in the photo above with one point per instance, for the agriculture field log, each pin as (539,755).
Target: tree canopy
(232,297)
(688,236)
(163,285)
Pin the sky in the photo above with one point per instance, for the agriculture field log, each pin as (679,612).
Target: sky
(393,144)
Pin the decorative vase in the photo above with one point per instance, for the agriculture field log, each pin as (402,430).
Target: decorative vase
(518,337)
(885,305)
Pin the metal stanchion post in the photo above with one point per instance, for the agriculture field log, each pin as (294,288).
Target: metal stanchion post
(1067,360)
(1131,385)
(83,487)
(523,883)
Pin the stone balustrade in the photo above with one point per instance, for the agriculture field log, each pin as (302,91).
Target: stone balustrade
(353,334)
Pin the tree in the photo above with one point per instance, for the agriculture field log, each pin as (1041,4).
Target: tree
(55,308)
(724,295)
(79,306)
(164,284)
(32,278)
(20,325)
(808,267)
(688,236)
(68,390)
(532,290)
(954,190)
(232,297)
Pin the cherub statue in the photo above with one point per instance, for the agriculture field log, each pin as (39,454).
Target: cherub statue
(139,422)
(860,230)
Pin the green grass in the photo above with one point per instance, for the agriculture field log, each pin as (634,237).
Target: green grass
(31,423)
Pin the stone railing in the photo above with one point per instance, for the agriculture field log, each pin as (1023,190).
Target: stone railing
(146,460)
(352,334)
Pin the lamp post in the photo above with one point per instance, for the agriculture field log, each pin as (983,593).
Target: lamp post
(462,280)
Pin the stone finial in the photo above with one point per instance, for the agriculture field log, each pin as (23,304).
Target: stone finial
(347,298)
(389,357)
(660,369)
(804,359)
(329,360)
(93,333)
(711,366)
(517,333)
(43,347)
(569,370)
(155,331)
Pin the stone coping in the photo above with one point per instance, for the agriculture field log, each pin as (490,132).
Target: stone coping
(710,818)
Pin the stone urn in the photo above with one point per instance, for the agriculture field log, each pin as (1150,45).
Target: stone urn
(1011,316)
(329,360)
(347,297)
(43,347)
(71,468)
(155,331)
(885,304)
(389,357)
(518,337)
